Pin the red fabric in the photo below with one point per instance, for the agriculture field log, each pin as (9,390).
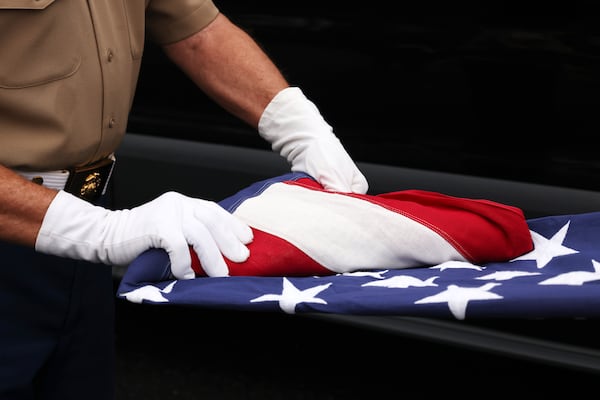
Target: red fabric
(480,230)
(269,256)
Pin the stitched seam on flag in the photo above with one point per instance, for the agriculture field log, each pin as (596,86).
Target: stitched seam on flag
(453,242)
(264,187)
(261,189)
(431,226)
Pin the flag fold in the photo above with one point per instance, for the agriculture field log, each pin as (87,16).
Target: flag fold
(410,252)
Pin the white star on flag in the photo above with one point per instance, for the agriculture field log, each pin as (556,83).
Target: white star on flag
(149,292)
(371,274)
(546,249)
(458,297)
(506,275)
(575,278)
(291,296)
(456,264)
(402,282)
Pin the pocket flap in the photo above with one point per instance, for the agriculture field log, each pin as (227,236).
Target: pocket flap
(25,4)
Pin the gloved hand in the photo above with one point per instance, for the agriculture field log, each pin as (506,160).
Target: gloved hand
(295,128)
(77,229)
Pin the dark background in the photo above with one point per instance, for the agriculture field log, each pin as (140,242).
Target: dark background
(496,89)
(183,353)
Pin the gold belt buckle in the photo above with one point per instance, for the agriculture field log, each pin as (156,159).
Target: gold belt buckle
(89,182)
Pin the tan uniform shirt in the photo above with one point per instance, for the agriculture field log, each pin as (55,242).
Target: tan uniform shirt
(68,73)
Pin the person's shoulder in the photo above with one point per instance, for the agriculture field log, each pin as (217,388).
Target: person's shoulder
(169,21)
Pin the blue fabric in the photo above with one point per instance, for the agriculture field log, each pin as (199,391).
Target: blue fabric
(232,202)
(560,278)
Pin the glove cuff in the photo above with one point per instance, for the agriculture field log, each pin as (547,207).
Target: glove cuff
(291,117)
(70,228)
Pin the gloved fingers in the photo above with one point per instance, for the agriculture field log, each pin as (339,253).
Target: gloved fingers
(179,255)
(340,183)
(359,183)
(328,162)
(347,172)
(208,252)
(208,228)
(237,227)
(228,232)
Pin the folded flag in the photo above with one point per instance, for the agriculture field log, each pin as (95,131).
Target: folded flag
(550,271)
(300,229)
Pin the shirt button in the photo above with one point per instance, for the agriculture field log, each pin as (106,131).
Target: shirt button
(109,55)
(112,122)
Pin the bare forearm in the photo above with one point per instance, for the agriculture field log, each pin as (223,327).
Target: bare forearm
(238,75)
(23,205)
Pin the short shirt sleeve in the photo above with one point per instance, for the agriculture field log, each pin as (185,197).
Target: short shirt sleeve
(168,21)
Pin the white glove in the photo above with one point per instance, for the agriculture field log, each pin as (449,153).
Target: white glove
(295,128)
(77,229)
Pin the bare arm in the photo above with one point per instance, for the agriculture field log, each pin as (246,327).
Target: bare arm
(228,65)
(23,205)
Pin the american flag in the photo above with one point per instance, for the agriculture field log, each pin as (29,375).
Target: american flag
(408,253)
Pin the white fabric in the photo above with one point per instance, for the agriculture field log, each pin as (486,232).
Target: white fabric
(295,128)
(346,228)
(51,179)
(77,229)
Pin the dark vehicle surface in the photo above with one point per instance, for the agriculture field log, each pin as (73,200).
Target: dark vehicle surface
(490,99)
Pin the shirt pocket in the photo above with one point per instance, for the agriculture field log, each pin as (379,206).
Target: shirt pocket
(34,48)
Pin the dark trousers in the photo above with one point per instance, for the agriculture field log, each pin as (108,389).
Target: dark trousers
(56,327)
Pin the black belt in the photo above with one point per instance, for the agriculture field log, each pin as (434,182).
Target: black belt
(90,182)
